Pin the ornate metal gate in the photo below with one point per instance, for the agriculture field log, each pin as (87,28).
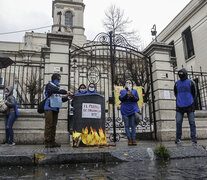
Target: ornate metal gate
(108,61)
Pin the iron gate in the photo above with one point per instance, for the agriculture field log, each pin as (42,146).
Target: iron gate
(108,61)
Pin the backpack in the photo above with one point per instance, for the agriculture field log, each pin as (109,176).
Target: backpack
(41,105)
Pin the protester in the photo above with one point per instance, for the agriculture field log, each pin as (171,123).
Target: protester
(11,115)
(81,90)
(91,89)
(129,97)
(52,105)
(186,93)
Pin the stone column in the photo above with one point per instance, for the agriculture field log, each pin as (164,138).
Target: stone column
(57,62)
(163,83)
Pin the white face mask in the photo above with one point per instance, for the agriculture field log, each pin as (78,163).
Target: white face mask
(91,89)
(129,86)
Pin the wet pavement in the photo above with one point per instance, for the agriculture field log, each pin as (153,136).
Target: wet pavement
(178,169)
(121,152)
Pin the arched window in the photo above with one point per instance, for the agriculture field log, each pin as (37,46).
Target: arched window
(68,19)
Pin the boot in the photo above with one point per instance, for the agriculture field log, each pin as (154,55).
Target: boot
(56,144)
(134,142)
(129,142)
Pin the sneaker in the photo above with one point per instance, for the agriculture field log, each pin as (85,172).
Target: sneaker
(12,144)
(5,144)
(177,141)
(194,142)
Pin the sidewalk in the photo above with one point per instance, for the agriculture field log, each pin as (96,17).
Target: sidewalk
(39,155)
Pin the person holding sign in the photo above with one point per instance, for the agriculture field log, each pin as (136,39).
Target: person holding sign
(91,89)
(81,90)
(51,108)
(129,97)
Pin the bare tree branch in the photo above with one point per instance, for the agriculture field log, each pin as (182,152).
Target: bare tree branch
(116,22)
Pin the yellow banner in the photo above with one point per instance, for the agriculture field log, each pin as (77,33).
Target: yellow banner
(139,91)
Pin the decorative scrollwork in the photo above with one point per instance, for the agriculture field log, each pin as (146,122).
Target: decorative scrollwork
(104,39)
(120,40)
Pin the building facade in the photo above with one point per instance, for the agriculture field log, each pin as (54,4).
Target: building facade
(187,34)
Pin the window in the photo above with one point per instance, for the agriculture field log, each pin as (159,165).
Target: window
(69,19)
(188,43)
(1,81)
(172,53)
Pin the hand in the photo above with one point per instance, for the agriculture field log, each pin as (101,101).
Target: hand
(129,93)
(69,93)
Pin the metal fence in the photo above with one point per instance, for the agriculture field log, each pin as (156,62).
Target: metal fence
(27,80)
(200,79)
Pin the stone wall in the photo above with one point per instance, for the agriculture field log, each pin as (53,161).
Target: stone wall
(29,128)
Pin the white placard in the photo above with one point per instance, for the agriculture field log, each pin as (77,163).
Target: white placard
(167,95)
(90,110)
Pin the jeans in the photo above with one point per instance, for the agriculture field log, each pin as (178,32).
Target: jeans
(9,121)
(179,121)
(129,121)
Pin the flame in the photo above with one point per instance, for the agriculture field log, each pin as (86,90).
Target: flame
(91,138)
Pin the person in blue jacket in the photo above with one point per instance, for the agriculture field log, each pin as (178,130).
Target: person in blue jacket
(92,89)
(186,94)
(81,90)
(129,97)
(51,108)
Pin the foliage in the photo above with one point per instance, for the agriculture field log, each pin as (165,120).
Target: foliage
(116,22)
(162,152)
(133,66)
(33,88)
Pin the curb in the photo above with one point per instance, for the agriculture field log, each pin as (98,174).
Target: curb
(124,155)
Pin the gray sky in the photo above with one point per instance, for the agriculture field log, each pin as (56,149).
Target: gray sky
(18,15)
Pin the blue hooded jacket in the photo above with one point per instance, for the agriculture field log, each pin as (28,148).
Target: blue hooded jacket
(185,92)
(129,104)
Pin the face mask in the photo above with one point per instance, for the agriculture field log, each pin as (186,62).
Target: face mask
(91,89)
(82,90)
(182,77)
(128,86)
(56,82)
(6,94)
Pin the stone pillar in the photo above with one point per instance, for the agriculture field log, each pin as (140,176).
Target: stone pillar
(57,62)
(163,83)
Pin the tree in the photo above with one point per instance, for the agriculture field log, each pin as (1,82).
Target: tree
(116,22)
(133,67)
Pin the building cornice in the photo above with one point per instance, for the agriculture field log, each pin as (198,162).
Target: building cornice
(189,10)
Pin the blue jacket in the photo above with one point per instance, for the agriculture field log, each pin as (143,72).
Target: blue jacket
(50,89)
(129,104)
(80,93)
(89,92)
(184,94)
